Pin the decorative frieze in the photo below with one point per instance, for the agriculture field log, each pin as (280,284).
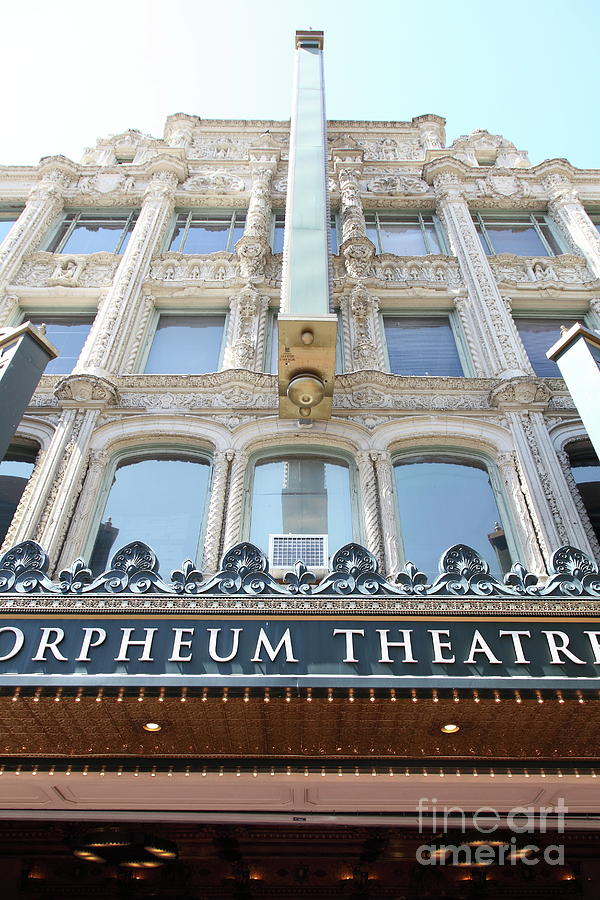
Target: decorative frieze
(183,268)
(556,271)
(416,271)
(44,269)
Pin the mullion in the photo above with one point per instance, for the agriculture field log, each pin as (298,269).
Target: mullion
(68,233)
(541,235)
(424,235)
(486,236)
(230,232)
(124,232)
(186,229)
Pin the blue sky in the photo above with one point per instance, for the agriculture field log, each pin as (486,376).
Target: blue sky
(527,69)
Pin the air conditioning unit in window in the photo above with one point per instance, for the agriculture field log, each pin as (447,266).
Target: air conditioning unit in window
(287,549)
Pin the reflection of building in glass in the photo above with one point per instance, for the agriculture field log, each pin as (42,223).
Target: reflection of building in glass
(304,497)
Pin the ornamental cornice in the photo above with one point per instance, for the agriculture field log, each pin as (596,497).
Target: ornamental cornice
(446,165)
(53,166)
(85,390)
(523,392)
(170,160)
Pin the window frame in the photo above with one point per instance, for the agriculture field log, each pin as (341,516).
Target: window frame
(190,212)
(560,316)
(27,447)
(454,453)
(132,217)
(518,219)
(455,326)
(419,214)
(37,313)
(146,346)
(10,214)
(145,451)
(327,454)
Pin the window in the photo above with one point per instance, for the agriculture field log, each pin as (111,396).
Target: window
(301,495)
(15,471)
(421,345)
(410,234)
(8,217)
(585,467)
(93,232)
(68,334)
(186,344)
(538,335)
(279,228)
(444,501)
(206,232)
(524,235)
(595,217)
(158,500)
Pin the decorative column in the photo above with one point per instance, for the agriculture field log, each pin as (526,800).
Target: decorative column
(235,501)
(565,464)
(552,509)
(369,503)
(179,129)
(254,247)
(84,510)
(43,205)
(384,472)
(214,520)
(471,330)
(567,210)
(517,492)
(363,341)
(83,398)
(113,322)
(356,248)
(502,351)
(139,326)
(245,340)
(432,133)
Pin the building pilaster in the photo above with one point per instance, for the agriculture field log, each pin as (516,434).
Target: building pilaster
(216,507)
(517,492)
(235,501)
(112,323)
(363,340)
(254,247)
(568,212)
(502,353)
(245,340)
(384,472)
(84,510)
(43,205)
(370,503)
(356,248)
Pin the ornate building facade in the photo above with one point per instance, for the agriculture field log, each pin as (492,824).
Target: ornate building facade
(156,265)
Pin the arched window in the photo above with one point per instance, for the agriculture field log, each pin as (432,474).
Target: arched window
(301,495)
(445,500)
(15,470)
(585,467)
(158,499)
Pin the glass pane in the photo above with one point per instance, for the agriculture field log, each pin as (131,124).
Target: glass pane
(158,501)
(6,223)
(272,362)
(15,470)
(206,237)
(278,233)
(433,239)
(178,232)
(520,239)
(128,234)
(401,238)
(546,231)
(333,238)
(238,230)
(64,227)
(302,495)
(186,345)
(421,345)
(68,336)
(585,467)
(538,335)
(95,235)
(442,503)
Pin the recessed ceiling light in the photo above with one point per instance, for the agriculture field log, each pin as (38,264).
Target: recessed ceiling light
(450,728)
(152,726)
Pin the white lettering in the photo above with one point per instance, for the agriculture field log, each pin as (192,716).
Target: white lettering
(264,642)
(126,643)
(593,639)
(212,644)
(405,643)
(18,644)
(556,649)
(517,646)
(479,645)
(179,644)
(349,633)
(48,643)
(87,642)
(439,646)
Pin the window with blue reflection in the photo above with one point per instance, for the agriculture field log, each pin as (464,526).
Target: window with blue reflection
(538,335)
(8,217)
(93,233)
(203,232)
(585,467)
(185,345)
(160,501)
(15,470)
(442,502)
(68,334)
(405,234)
(421,345)
(523,235)
(301,495)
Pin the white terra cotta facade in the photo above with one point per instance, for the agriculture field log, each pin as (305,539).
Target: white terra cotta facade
(520,422)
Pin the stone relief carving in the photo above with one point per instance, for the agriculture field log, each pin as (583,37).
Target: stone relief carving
(85,390)
(438,269)
(106,183)
(219,147)
(520,392)
(391,148)
(41,268)
(220,182)
(182,267)
(396,184)
(565,269)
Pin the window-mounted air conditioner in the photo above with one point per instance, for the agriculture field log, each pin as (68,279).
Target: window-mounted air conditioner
(287,549)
